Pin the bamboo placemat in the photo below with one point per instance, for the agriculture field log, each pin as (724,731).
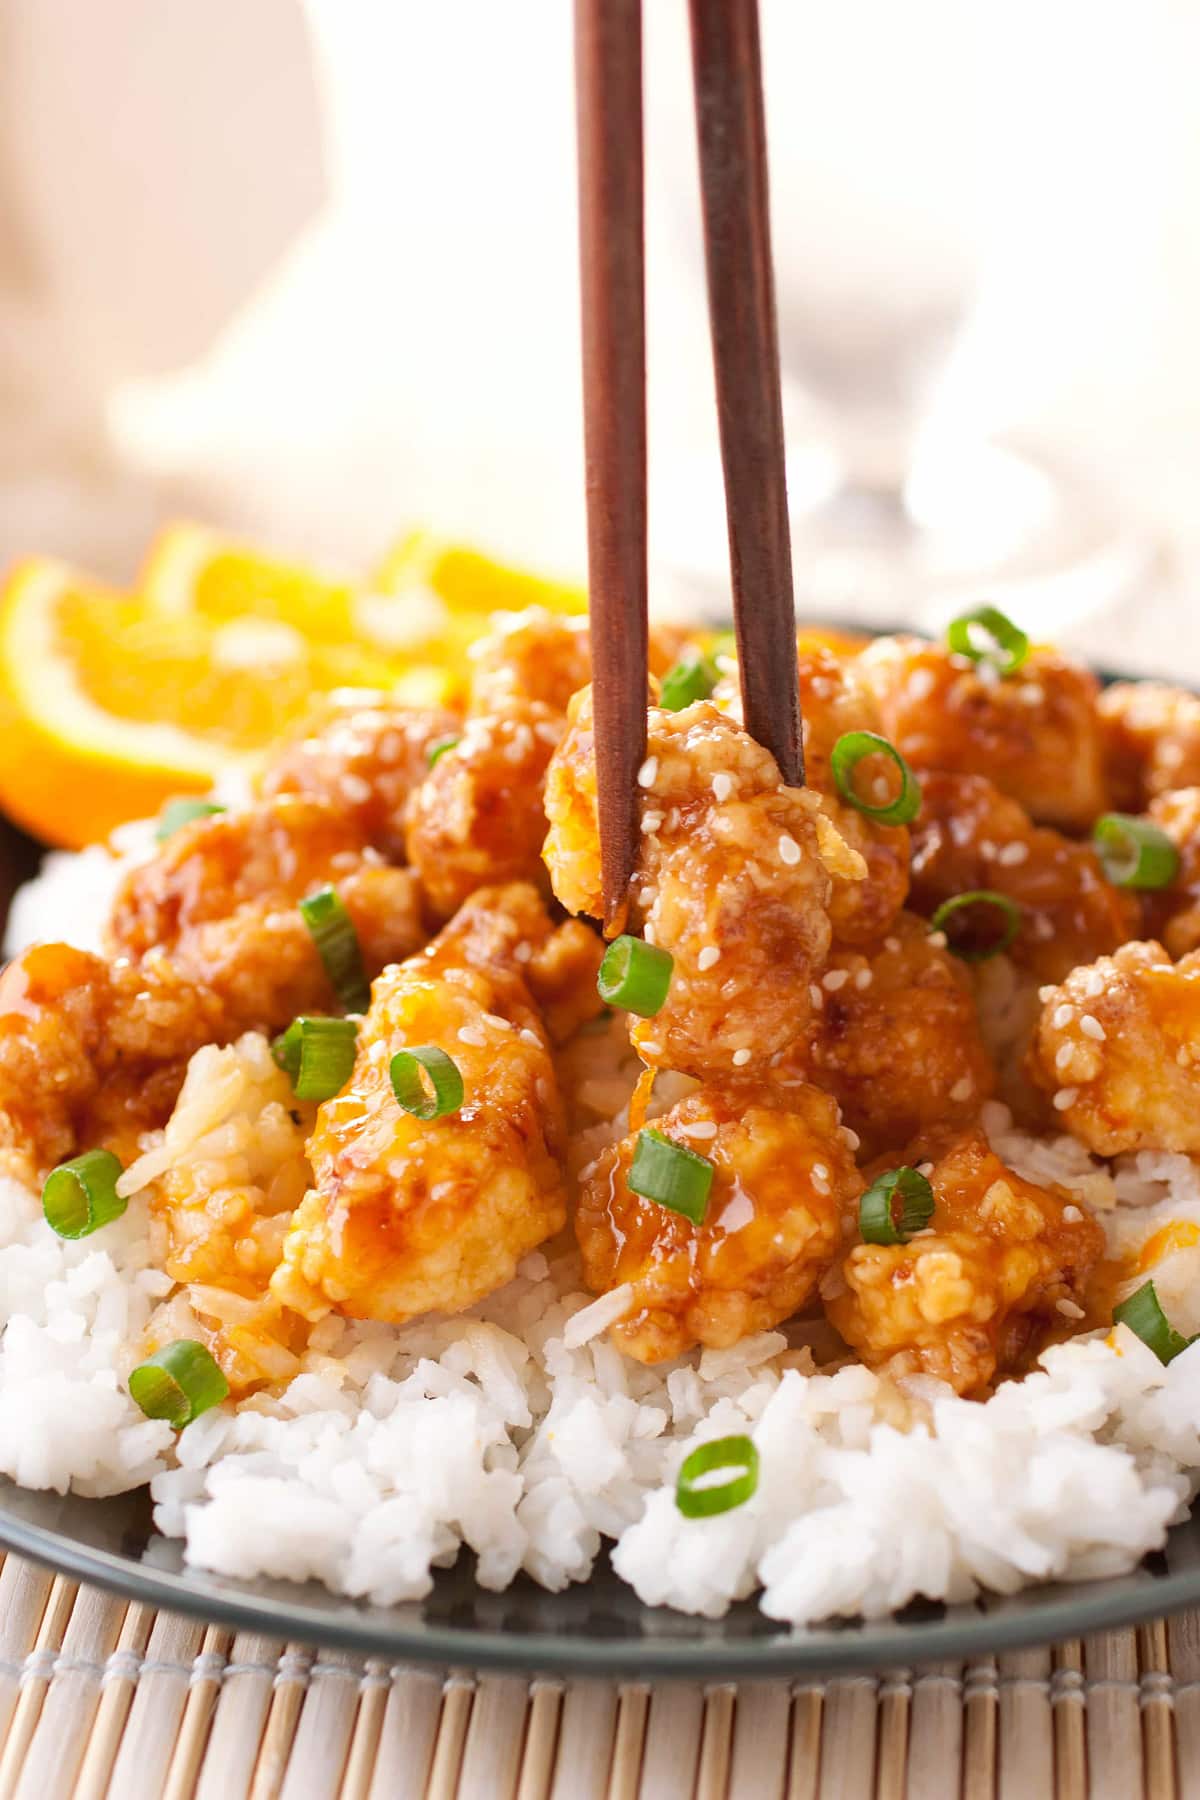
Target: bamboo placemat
(99,1697)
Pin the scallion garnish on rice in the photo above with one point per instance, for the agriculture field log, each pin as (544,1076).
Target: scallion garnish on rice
(184,811)
(692,678)
(318,1055)
(673,1176)
(989,636)
(81,1195)
(949,910)
(852,748)
(635,975)
(739,1456)
(438,748)
(1134,853)
(1143,1314)
(877,1215)
(178,1383)
(333,933)
(409,1070)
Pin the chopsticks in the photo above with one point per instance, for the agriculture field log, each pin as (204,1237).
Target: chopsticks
(727,77)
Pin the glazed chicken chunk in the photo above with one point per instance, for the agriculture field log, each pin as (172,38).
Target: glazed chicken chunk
(1151,734)
(783,1173)
(1035,733)
(1118,1049)
(364,754)
(970,836)
(1001,1265)
(896,1038)
(221,897)
(1172,914)
(542,656)
(411,1215)
(734,878)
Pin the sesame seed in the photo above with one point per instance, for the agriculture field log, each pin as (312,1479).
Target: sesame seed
(648,934)
(815,995)
(1012,854)
(851,1138)
(709,956)
(1068,1309)
(789,850)
(820,1179)
(962,1089)
(1065,1097)
(530,1037)
(651,822)
(1064,1057)
(523,953)
(741,1058)
(834,979)
(987,849)
(821,1170)
(703,1128)
(1072,1215)
(355,789)
(471,1034)
(1062,1016)
(921,684)
(1183,1056)
(1093,984)
(1032,694)
(497,1021)
(938,939)
(647,772)
(1047,993)
(650,1047)
(722,786)
(863,979)
(892,944)
(925,1168)
(1091,1027)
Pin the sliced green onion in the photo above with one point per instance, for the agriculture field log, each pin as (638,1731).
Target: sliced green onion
(408,1068)
(337,943)
(1146,1319)
(1008,909)
(178,813)
(693,677)
(81,1195)
(676,1178)
(318,1055)
(696,1502)
(849,751)
(178,1383)
(438,748)
(1004,645)
(635,975)
(1135,853)
(877,1221)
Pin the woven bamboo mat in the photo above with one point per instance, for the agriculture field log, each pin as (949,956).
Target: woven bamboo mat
(102,1698)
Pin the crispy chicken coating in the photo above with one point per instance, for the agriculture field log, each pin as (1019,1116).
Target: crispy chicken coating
(1151,735)
(976,1294)
(1172,914)
(540,655)
(733,878)
(222,898)
(479,816)
(1035,734)
(784,1174)
(92,1053)
(363,753)
(896,1038)
(1118,1048)
(409,1216)
(970,836)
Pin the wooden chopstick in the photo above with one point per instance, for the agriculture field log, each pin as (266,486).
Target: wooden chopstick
(727,76)
(608,75)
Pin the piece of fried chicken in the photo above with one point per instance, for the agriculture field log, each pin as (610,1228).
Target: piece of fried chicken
(1117,1047)
(783,1175)
(734,877)
(222,899)
(1151,736)
(974,1295)
(409,1215)
(1035,734)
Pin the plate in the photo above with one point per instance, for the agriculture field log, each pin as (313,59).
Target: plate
(598,1627)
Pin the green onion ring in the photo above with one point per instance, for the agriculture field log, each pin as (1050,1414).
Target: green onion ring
(692,678)
(333,933)
(719,1453)
(671,1175)
(877,1221)
(1143,1314)
(184,811)
(318,1055)
(849,751)
(438,748)
(979,897)
(407,1068)
(635,975)
(1006,637)
(1135,853)
(178,1383)
(81,1195)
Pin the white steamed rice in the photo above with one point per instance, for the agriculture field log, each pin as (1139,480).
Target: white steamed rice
(516,1430)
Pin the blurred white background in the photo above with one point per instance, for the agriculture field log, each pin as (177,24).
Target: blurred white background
(311,269)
